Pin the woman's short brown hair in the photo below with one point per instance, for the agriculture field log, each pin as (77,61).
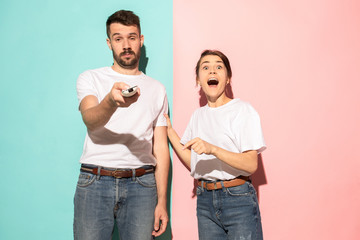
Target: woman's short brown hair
(216,53)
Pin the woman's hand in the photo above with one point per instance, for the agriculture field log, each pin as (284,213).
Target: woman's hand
(200,146)
(183,153)
(168,121)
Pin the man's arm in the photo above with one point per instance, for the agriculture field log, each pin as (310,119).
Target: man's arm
(97,114)
(162,155)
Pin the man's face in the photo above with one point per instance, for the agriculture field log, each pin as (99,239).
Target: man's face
(125,42)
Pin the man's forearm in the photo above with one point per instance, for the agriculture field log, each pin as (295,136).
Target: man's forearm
(95,116)
(162,155)
(161,176)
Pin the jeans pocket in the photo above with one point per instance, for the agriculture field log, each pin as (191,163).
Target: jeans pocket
(85,179)
(147,180)
(242,190)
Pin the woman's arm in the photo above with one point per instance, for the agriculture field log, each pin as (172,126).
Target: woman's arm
(183,153)
(246,161)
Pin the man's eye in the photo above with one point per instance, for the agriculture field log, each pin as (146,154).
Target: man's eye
(219,67)
(206,68)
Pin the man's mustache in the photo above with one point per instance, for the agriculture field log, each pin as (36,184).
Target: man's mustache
(127,52)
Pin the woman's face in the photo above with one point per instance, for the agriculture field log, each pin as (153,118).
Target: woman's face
(212,77)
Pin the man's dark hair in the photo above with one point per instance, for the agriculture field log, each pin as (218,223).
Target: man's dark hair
(125,17)
(216,53)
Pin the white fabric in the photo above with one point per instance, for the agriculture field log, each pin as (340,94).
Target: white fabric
(234,126)
(126,140)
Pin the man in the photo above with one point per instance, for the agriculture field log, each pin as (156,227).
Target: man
(125,161)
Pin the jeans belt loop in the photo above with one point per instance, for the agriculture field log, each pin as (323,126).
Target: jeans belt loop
(98,173)
(215,186)
(222,185)
(133,174)
(202,186)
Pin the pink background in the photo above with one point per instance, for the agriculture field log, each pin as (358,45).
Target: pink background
(298,64)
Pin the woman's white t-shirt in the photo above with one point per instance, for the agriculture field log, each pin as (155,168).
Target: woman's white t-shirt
(234,126)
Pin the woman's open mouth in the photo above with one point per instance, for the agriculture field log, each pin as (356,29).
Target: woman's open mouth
(212,82)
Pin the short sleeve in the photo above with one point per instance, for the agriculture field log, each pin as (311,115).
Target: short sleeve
(250,133)
(85,86)
(160,121)
(187,136)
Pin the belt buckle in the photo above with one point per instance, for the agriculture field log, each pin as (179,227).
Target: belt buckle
(117,173)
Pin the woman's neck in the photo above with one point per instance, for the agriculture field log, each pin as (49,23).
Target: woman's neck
(222,100)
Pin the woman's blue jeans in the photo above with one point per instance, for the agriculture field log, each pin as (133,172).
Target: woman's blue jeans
(229,213)
(101,200)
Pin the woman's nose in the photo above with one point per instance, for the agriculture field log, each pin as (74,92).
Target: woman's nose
(213,70)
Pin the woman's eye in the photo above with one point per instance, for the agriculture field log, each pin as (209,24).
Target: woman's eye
(205,68)
(219,67)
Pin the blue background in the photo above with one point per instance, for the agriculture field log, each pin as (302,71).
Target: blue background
(44,46)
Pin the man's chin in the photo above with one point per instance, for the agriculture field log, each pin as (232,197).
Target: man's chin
(128,65)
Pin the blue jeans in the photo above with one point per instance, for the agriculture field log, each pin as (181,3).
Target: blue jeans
(229,213)
(101,200)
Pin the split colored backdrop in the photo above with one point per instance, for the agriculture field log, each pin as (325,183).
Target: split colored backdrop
(296,62)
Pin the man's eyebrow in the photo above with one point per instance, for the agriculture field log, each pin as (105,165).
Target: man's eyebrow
(114,34)
(130,34)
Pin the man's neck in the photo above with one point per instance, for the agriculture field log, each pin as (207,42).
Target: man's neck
(125,71)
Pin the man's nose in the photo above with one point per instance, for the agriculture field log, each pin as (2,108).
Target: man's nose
(126,44)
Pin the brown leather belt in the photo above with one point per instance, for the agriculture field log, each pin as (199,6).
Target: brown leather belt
(227,183)
(118,173)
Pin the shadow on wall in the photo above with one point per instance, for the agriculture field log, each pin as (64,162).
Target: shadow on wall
(143,59)
(259,177)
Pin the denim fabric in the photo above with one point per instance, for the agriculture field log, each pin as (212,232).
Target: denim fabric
(99,200)
(229,213)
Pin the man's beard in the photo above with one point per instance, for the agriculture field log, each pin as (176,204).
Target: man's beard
(130,63)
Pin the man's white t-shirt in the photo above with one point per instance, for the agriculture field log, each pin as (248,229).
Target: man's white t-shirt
(126,140)
(234,126)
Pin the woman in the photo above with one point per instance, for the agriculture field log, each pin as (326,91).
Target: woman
(221,145)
